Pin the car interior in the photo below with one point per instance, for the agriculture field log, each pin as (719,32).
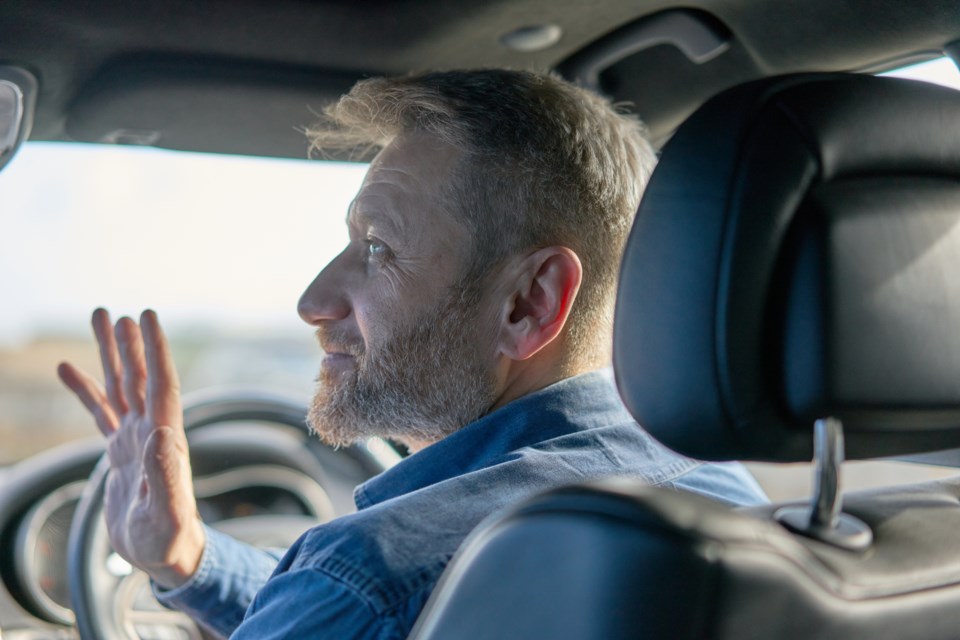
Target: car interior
(810,314)
(798,237)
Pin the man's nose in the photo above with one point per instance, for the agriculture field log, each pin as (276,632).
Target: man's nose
(326,297)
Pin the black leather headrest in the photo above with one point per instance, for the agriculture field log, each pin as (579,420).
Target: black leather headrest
(797,255)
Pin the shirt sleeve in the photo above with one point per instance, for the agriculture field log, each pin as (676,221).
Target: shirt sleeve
(218,593)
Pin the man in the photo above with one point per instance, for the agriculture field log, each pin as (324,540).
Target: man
(467,318)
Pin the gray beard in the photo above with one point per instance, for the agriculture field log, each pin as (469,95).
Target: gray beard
(428,380)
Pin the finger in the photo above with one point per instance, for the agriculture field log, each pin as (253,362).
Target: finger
(110,358)
(91,395)
(163,384)
(130,342)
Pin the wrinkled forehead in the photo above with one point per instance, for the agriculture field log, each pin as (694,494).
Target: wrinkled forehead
(409,183)
(425,157)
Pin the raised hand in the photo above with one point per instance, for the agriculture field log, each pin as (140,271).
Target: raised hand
(149,503)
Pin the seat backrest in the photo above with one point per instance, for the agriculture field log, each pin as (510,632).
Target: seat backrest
(617,560)
(796,257)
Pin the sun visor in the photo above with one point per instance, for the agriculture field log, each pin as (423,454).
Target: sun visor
(213,107)
(18,95)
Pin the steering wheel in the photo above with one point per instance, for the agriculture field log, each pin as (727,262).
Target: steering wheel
(237,439)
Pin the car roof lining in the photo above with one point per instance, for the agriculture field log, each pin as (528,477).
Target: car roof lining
(298,55)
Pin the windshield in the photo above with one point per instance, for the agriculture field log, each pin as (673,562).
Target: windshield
(220,246)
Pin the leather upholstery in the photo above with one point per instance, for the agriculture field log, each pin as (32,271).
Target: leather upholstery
(617,560)
(792,259)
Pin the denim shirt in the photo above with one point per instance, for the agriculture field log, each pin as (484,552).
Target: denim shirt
(368,574)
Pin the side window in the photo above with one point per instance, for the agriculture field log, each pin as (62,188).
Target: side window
(938,71)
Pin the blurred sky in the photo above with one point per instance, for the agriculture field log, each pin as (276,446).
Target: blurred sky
(212,242)
(208,241)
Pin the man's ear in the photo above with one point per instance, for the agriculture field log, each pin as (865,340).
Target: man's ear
(542,289)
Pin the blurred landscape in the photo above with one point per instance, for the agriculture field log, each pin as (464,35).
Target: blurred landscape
(37,412)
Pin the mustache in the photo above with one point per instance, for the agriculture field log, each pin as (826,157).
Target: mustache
(333,340)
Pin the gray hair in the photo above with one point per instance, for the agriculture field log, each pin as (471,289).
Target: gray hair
(545,163)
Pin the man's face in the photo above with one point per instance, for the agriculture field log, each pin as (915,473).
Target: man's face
(409,352)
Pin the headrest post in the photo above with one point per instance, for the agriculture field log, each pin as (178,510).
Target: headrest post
(828,456)
(823,520)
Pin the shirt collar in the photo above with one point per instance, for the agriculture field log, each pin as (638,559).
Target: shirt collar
(582,402)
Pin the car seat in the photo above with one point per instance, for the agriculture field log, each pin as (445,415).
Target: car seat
(790,290)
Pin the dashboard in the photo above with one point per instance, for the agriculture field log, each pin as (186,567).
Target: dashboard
(265,484)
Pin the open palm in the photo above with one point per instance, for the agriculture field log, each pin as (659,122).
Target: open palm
(149,505)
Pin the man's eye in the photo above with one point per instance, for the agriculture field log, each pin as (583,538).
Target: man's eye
(376,249)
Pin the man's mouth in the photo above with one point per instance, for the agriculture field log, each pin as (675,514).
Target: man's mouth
(336,364)
(335,342)
(341,349)
(339,355)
